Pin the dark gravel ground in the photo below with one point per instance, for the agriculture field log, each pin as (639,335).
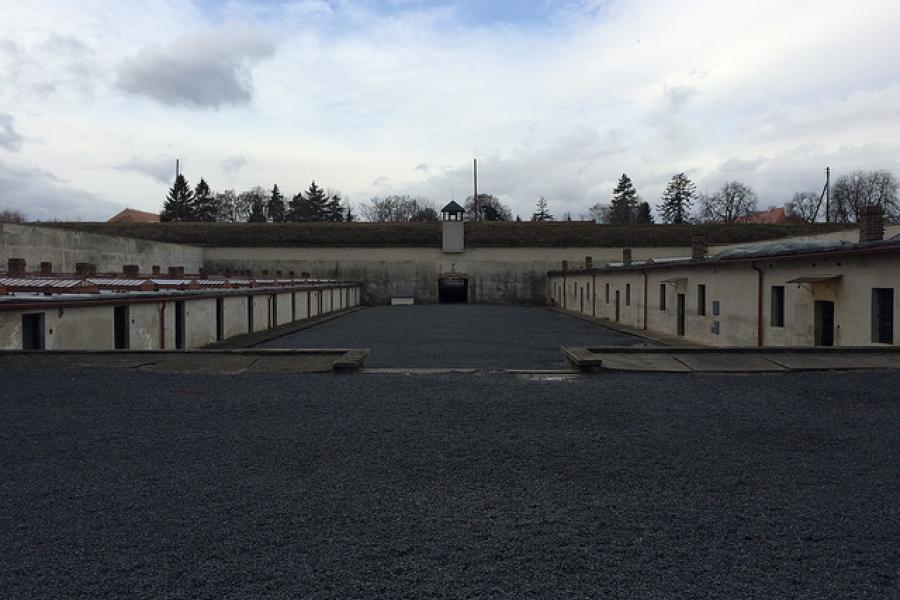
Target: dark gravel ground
(457,335)
(128,484)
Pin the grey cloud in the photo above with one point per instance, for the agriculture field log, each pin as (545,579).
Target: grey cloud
(160,169)
(233,164)
(677,97)
(42,196)
(9,137)
(205,70)
(423,167)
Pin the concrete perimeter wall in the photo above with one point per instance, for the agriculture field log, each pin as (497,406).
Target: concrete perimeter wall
(496,275)
(64,248)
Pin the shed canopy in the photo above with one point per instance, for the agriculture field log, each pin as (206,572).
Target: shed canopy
(814,278)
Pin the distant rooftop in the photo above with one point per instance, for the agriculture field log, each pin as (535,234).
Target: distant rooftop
(131,215)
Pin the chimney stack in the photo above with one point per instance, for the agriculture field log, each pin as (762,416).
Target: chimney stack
(46,268)
(698,250)
(626,256)
(131,270)
(84,268)
(15,266)
(588,263)
(871,224)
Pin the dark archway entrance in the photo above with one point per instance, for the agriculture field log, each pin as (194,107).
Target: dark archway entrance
(453,290)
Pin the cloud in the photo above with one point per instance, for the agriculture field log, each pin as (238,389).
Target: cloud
(208,69)
(9,137)
(159,169)
(233,165)
(42,196)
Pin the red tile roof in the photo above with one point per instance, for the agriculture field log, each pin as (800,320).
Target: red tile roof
(773,216)
(130,215)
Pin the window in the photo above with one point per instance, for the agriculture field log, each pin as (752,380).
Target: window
(777,317)
(607,293)
(627,294)
(883,315)
(701,300)
(662,296)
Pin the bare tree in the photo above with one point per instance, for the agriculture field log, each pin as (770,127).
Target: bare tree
(805,206)
(399,209)
(733,201)
(489,209)
(11,215)
(856,190)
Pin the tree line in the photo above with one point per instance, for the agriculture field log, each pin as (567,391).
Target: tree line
(734,201)
(680,203)
(255,205)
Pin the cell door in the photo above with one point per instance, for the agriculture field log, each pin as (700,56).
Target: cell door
(179,324)
(680,314)
(824,323)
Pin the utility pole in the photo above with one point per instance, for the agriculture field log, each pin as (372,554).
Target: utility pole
(827,194)
(475,197)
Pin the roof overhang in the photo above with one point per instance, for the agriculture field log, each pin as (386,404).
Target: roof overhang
(814,278)
(674,280)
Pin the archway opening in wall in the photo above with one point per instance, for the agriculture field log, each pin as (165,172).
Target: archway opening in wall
(453,290)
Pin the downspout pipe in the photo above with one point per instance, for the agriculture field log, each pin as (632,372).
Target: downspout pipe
(162,325)
(644,273)
(759,304)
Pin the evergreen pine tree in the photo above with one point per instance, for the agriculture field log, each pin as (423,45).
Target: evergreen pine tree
(205,206)
(317,202)
(623,208)
(542,214)
(677,199)
(276,208)
(644,215)
(178,205)
(334,211)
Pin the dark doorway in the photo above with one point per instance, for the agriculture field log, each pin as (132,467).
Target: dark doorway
(581,300)
(33,331)
(179,324)
(220,319)
(120,327)
(250,314)
(453,290)
(824,323)
(680,319)
(274,319)
(617,305)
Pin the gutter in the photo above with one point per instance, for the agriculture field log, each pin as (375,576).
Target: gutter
(759,304)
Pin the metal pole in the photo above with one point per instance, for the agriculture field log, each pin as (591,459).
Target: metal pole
(827,194)
(475,165)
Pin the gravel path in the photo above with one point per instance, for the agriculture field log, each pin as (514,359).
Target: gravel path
(457,335)
(127,484)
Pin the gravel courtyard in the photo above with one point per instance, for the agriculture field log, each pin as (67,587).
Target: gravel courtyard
(121,483)
(481,336)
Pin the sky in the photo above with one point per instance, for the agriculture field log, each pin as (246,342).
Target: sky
(376,97)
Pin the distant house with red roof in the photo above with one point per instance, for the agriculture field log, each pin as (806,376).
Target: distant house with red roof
(773,216)
(130,215)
